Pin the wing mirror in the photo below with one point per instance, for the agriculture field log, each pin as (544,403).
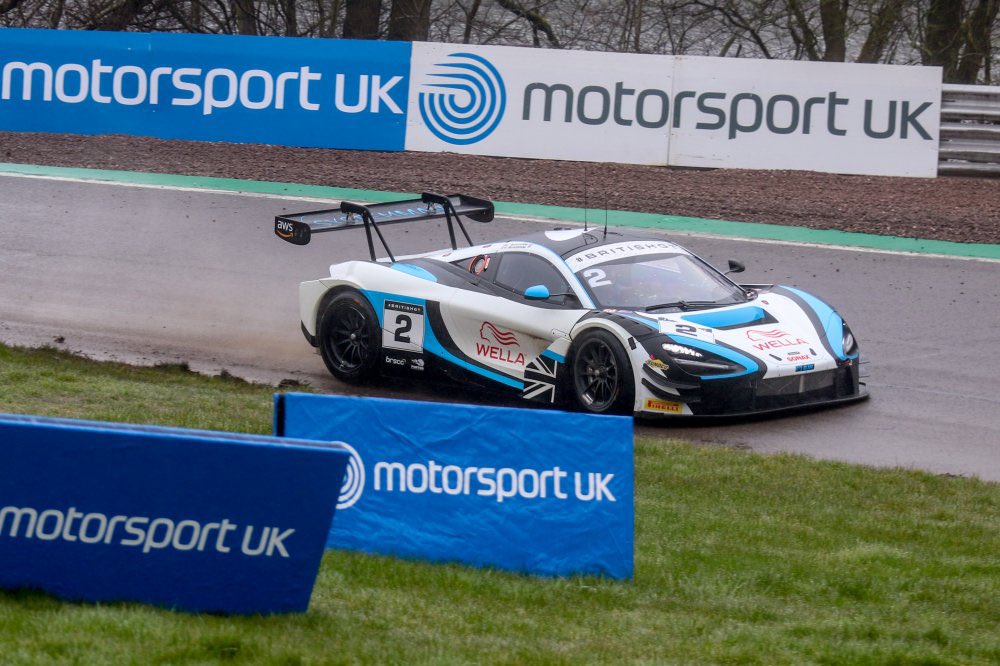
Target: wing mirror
(538,292)
(735,267)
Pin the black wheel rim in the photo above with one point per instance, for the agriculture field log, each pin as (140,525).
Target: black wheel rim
(597,376)
(349,341)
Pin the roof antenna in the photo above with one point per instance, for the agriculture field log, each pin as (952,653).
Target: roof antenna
(605,213)
(584,197)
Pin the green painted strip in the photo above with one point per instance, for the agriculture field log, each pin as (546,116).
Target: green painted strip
(758,231)
(202,182)
(615,217)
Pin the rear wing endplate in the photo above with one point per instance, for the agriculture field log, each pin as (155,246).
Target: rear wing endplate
(299,227)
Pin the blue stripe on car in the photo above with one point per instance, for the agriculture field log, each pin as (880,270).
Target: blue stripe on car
(724,318)
(415,271)
(833,325)
(558,358)
(653,324)
(749,365)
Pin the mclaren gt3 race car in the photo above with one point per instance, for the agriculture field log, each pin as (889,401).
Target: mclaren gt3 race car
(601,321)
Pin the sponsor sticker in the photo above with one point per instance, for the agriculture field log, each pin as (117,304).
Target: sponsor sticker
(604,253)
(403,327)
(775,338)
(697,332)
(500,345)
(666,406)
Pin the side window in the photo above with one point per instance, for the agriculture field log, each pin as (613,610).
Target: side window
(518,271)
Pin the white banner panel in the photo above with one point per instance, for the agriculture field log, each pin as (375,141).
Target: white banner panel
(836,117)
(521,102)
(681,111)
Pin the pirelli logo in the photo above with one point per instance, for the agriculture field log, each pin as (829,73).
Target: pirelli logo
(666,406)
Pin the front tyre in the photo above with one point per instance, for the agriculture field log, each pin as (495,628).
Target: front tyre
(349,338)
(602,375)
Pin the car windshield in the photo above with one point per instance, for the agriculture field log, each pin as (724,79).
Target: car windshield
(659,280)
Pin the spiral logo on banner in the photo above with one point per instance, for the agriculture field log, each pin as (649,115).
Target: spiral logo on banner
(354,479)
(466,101)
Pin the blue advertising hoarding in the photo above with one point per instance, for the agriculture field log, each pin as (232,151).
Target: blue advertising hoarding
(329,93)
(193,520)
(527,490)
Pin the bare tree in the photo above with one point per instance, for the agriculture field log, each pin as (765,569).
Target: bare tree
(246,16)
(958,35)
(976,49)
(470,16)
(884,22)
(361,18)
(534,17)
(409,20)
(833,15)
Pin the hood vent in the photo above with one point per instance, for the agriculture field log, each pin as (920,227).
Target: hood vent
(728,319)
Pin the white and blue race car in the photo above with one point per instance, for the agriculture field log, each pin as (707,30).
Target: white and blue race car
(596,320)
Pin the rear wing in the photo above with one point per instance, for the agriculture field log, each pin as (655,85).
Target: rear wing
(299,228)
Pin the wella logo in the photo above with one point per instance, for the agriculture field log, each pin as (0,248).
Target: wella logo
(497,344)
(773,339)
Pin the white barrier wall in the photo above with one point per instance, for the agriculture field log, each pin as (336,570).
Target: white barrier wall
(682,111)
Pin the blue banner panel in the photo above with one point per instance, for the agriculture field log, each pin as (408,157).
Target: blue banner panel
(528,490)
(187,519)
(329,93)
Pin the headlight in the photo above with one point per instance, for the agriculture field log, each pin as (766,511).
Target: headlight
(849,343)
(699,363)
(713,367)
(681,350)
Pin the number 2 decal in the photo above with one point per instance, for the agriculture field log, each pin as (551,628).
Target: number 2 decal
(403,326)
(596,277)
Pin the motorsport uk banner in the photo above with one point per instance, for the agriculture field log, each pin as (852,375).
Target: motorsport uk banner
(528,490)
(485,100)
(187,519)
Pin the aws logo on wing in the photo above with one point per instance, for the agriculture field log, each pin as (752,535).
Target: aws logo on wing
(463,100)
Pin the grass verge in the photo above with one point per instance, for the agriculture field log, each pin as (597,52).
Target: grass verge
(740,558)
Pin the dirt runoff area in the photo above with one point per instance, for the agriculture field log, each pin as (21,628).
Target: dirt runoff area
(963,209)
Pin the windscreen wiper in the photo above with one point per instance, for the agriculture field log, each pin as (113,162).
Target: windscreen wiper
(686,305)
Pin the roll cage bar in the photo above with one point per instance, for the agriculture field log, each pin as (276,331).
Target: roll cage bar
(298,228)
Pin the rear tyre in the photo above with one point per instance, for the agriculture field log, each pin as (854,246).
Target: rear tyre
(602,379)
(349,338)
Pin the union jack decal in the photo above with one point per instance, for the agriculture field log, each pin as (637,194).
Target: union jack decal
(540,380)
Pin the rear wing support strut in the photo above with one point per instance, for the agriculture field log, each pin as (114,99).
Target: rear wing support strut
(366,216)
(449,214)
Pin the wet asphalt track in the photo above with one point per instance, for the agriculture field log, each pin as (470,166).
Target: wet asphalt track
(156,275)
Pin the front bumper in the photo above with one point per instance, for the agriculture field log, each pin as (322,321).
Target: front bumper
(753,396)
(310,338)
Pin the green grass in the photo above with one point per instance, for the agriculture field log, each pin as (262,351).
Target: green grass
(740,558)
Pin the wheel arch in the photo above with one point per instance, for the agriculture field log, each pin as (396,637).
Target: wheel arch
(315,295)
(630,346)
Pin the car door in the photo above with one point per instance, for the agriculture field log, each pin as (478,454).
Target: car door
(505,331)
